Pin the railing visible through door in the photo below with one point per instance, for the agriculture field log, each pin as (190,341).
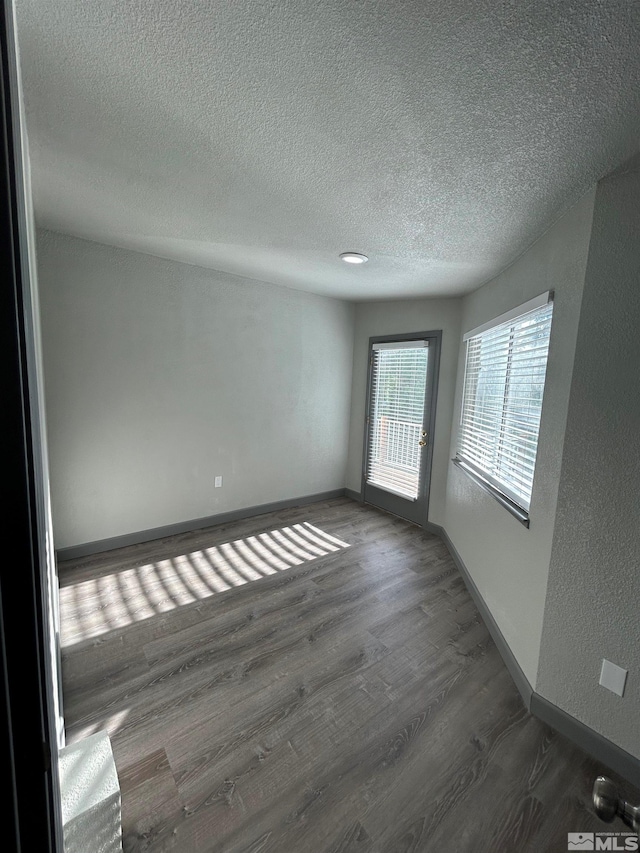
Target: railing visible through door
(396,442)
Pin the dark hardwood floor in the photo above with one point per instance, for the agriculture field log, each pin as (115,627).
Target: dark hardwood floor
(311,681)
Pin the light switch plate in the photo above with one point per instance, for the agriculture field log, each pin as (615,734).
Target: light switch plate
(613,677)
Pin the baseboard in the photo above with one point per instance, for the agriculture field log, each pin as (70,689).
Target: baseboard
(436,529)
(355,496)
(587,739)
(593,743)
(74,552)
(520,679)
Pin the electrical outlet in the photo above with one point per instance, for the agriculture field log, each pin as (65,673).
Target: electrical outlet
(613,677)
(218,482)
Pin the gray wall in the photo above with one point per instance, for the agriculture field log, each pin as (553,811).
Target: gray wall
(161,375)
(388,318)
(508,562)
(592,601)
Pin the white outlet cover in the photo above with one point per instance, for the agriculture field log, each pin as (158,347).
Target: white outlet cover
(218,483)
(613,677)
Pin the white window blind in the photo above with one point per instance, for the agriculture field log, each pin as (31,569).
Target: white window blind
(502,402)
(398,385)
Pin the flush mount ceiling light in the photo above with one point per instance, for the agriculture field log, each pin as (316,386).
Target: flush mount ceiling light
(354,258)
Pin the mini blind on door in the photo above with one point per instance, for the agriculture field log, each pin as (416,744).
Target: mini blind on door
(398,385)
(502,400)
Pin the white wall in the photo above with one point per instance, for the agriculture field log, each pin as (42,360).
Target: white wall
(389,318)
(161,375)
(592,601)
(508,562)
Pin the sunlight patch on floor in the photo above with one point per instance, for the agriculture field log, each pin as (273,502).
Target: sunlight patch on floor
(111,723)
(94,607)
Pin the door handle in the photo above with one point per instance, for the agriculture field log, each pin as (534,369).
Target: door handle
(608,803)
(422,442)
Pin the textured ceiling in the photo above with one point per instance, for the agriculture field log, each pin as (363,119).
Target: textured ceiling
(264,137)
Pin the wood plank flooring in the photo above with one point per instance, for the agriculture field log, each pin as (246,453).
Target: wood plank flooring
(311,681)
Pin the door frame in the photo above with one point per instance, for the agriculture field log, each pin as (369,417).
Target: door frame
(29,720)
(435,338)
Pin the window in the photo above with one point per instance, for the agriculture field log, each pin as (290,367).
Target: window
(505,367)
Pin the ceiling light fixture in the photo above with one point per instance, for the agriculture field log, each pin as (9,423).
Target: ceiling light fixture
(354,258)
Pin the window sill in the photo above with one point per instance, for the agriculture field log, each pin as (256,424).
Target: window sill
(516,511)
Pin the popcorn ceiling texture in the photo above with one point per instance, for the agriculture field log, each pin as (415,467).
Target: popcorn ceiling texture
(263,138)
